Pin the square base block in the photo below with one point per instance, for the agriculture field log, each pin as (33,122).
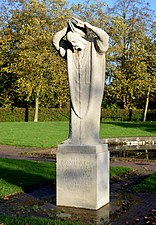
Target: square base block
(83,176)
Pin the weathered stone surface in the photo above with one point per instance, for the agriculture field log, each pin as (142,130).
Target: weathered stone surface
(83,176)
(86,73)
(83,162)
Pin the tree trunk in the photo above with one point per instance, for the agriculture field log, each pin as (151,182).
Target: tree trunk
(130,115)
(26,112)
(146,107)
(36,107)
(60,105)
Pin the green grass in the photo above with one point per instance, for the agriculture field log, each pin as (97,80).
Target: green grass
(6,220)
(146,185)
(117,171)
(50,134)
(42,134)
(18,175)
(128,129)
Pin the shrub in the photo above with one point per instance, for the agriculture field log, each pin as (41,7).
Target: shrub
(55,114)
(45,114)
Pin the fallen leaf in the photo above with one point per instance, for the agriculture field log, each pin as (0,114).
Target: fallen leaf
(153,210)
(137,220)
(5,198)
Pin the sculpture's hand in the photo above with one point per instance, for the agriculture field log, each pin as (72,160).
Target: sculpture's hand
(88,25)
(76,25)
(77,22)
(71,25)
(58,36)
(101,39)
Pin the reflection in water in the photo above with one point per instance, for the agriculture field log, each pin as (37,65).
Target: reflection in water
(92,217)
(147,152)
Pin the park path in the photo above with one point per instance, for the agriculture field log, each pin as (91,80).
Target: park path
(32,153)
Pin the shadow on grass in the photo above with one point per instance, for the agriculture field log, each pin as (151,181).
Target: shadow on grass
(145,184)
(144,126)
(16,180)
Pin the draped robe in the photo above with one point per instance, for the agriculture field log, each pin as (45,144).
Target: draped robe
(86,74)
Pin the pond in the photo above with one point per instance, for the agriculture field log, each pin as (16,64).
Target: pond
(133,150)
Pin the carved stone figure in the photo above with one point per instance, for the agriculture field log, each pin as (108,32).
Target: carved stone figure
(86,73)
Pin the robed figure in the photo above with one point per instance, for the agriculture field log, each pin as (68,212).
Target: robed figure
(86,74)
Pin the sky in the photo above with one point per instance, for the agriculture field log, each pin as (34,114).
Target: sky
(110,2)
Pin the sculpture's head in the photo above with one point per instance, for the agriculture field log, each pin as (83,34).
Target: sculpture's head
(77,26)
(76,34)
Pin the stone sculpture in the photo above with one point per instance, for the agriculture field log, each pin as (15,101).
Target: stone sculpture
(82,160)
(86,73)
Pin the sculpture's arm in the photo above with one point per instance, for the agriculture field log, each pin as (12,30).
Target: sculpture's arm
(59,43)
(102,37)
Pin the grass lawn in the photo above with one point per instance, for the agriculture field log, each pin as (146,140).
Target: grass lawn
(128,129)
(50,134)
(6,220)
(18,175)
(42,134)
(117,171)
(146,185)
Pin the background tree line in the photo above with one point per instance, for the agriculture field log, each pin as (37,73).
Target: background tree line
(32,73)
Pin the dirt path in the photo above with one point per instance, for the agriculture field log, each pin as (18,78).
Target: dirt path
(33,153)
(143,166)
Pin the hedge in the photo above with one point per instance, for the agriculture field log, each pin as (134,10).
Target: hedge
(128,115)
(122,114)
(45,114)
(54,114)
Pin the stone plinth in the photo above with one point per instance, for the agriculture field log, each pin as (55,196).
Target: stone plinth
(83,176)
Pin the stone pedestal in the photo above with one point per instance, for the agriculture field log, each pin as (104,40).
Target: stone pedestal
(83,176)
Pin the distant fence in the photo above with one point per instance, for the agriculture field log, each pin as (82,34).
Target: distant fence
(55,114)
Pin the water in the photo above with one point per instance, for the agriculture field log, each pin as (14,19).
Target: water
(135,151)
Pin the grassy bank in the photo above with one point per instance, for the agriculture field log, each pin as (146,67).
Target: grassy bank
(18,175)
(117,171)
(50,134)
(148,184)
(6,220)
(43,134)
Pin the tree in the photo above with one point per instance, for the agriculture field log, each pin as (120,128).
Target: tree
(30,68)
(32,26)
(127,23)
(129,30)
(94,12)
(7,79)
(151,69)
